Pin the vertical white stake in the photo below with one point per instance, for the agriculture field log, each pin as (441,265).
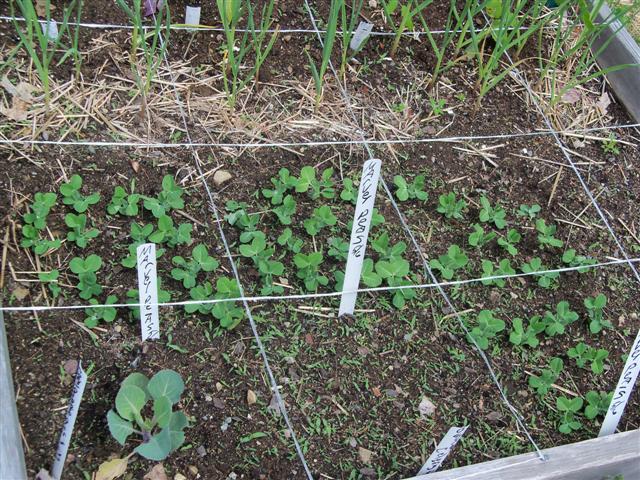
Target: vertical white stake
(148,291)
(50,29)
(443,449)
(192,15)
(623,390)
(69,421)
(359,234)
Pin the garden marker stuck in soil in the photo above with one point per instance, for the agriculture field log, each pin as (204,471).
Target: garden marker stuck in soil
(359,233)
(148,291)
(623,390)
(443,449)
(79,383)
(360,35)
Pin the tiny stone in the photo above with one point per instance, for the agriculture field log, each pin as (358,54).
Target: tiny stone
(201,451)
(352,442)
(71,366)
(220,177)
(179,476)
(289,360)
(208,398)
(218,386)
(193,469)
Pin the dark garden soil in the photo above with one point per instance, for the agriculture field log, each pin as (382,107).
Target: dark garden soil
(353,386)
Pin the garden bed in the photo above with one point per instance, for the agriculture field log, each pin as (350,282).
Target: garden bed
(368,395)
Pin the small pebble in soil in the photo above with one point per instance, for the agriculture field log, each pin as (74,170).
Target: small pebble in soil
(201,451)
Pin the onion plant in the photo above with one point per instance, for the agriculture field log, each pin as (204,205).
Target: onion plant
(328,41)
(151,44)
(39,45)
(572,41)
(237,48)
(349,23)
(455,38)
(407,14)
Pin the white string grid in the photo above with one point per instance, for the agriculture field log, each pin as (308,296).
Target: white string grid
(517,416)
(319,143)
(309,296)
(435,284)
(211,28)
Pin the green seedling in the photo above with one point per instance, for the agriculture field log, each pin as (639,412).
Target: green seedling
(71,195)
(410,191)
(542,384)
(96,315)
(309,270)
(170,198)
(162,432)
(597,404)
(315,188)
(286,211)
(437,106)
(368,276)
(487,328)
(453,260)
(529,336)
(318,72)
(408,11)
(529,211)
(40,246)
(338,249)
(39,210)
(556,322)
(450,207)
(123,203)
(546,234)
(79,233)
(394,272)
(382,246)
(545,280)
(229,314)
(241,219)
(259,44)
(261,255)
(583,354)
(509,241)
(51,279)
(479,238)
(569,408)
(496,215)
(503,268)
(595,309)
(86,270)
(610,145)
(139,234)
(187,271)
(571,258)
(322,217)
(281,185)
(349,192)
(169,234)
(288,240)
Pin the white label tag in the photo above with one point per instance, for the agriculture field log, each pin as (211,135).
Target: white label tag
(148,291)
(359,234)
(443,449)
(192,15)
(69,420)
(50,29)
(623,390)
(360,35)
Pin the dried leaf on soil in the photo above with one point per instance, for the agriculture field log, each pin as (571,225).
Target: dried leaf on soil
(251,397)
(112,469)
(156,473)
(21,99)
(364,455)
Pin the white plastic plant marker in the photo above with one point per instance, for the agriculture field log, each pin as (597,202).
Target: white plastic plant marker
(50,29)
(443,449)
(623,390)
(69,420)
(359,233)
(148,291)
(360,35)
(192,15)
